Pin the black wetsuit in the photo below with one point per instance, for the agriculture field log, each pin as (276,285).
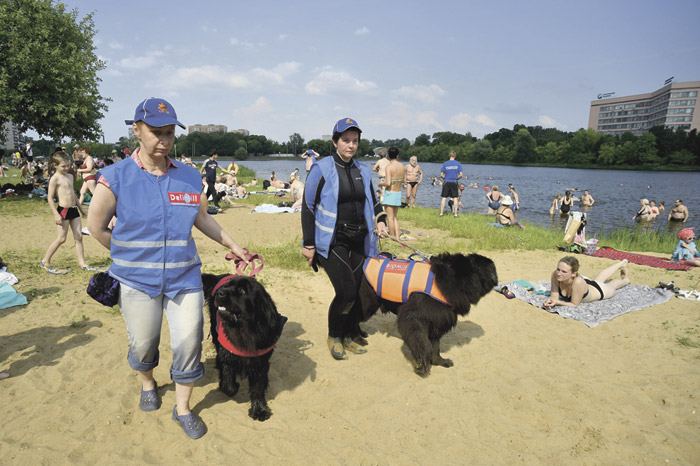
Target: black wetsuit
(345,255)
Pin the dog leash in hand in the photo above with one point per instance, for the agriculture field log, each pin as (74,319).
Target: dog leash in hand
(403,243)
(241,265)
(398,240)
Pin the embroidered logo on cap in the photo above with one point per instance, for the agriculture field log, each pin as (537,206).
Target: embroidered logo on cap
(184,198)
(162,108)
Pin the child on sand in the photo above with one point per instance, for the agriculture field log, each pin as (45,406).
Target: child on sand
(66,214)
(686,251)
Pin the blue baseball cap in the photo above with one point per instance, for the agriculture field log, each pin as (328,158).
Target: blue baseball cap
(345,124)
(155,112)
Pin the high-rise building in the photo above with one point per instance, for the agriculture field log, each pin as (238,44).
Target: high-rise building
(674,106)
(13,139)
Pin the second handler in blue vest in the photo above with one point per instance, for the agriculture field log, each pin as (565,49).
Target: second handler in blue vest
(337,220)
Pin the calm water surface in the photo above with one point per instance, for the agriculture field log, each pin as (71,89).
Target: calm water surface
(616,192)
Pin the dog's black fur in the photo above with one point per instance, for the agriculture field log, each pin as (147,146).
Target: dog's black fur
(422,321)
(251,322)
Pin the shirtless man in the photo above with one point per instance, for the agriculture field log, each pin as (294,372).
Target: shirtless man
(679,212)
(587,200)
(380,168)
(413,174)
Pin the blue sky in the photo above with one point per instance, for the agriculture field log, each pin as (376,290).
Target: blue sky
(400,68)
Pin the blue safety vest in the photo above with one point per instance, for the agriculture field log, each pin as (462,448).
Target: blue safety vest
(152,246)
(326,211)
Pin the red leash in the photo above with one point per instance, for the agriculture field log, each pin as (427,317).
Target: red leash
(241,264)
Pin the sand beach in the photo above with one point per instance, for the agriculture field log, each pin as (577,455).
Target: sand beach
(527,387)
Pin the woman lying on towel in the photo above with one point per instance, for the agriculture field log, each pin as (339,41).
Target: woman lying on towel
(570,289)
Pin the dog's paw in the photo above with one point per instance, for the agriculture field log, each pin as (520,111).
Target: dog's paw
(422,370)
(259,411)
(228,388)
(440,361)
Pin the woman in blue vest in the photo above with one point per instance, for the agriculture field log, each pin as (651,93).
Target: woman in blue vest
(157,201)
(337,219)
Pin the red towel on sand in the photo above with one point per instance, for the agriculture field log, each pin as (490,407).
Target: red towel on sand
(652,261)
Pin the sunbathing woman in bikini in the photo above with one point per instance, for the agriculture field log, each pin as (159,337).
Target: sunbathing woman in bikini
(570,289)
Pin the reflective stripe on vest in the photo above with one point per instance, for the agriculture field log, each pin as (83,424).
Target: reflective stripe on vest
(395,280)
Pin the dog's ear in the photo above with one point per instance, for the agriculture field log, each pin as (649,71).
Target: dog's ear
(209,281)
(264,305)
(487,275)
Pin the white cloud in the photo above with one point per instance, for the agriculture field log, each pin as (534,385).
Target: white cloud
(363,31)
(146,61)
(241,43)
(208,76)
(260,107)
(330,82)
(400,115)
(213,76)
(425,94)
(282,36)
(116,45)
(549,122)
(287,68)
(466,122)
(206,28)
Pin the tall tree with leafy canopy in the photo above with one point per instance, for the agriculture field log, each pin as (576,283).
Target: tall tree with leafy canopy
(48,76)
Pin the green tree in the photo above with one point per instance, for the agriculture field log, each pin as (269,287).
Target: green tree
(481,151)
(296,143)
(645,146)
(606,155)
(524,147)
(683,158)
(48,76)
(422,140)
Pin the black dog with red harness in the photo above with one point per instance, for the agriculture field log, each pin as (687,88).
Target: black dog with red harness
(245,327)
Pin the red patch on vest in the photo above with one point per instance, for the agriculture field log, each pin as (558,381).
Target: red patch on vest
(184,198)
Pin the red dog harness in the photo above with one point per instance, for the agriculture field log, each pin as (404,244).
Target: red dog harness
(395,279)
(222,338)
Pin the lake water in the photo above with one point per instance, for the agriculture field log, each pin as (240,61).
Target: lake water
(616,192)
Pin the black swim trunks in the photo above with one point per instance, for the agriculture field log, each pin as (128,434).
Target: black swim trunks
(68,213)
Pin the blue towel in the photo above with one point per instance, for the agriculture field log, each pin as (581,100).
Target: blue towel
(9,297)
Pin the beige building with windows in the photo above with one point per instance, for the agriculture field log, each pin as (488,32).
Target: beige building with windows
(206,129)
(674,106)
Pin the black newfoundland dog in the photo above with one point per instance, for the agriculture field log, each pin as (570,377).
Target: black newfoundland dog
(423,320)
(245,327)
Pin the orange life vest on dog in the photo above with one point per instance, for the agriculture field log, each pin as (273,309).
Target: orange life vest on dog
(395,279)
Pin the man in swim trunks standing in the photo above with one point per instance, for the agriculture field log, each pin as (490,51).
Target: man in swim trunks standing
(414,176)
(679,212)
(451,172)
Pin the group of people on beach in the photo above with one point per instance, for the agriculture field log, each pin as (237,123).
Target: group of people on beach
(144,208)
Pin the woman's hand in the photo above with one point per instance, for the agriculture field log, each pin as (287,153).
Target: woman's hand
(309,252)
(549,304)
(238,251)
(382,230)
